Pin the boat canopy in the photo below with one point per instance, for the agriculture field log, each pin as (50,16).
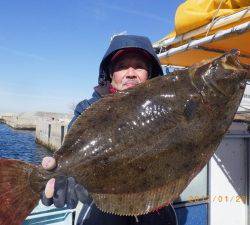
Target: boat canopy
(206,29)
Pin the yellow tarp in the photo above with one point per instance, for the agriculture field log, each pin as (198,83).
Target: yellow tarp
(196,13)
(193,14)
(192,56)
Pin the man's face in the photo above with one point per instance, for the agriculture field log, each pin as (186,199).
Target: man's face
(128,71)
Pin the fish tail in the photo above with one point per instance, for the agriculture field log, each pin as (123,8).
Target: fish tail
(17,199)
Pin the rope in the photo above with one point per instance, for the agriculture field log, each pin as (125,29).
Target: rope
(243,15)
(214,17)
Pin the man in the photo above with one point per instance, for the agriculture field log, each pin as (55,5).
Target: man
(129,60)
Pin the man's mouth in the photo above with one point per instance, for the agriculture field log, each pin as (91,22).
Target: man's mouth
(130,83)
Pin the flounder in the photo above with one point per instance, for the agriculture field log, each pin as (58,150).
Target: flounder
(137,150)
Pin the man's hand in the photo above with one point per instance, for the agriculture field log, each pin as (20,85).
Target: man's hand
(49,163)
(62,190)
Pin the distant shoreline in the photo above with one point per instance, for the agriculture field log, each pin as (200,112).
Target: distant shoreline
(50,128)
(17,128)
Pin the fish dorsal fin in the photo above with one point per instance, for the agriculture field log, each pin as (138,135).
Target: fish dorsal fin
(139,203)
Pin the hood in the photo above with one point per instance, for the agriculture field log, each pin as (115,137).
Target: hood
(128,41)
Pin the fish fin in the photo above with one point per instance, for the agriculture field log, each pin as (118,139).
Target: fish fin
(136,204)
(17,199)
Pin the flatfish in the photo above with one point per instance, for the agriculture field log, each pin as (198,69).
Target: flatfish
(137,150)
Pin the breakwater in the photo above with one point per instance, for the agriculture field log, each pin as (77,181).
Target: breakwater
(50,131)
(21,121)
(50,128)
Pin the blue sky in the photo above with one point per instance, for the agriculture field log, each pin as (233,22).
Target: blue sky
(50,50)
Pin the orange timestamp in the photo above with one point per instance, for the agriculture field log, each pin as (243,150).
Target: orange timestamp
(219,198)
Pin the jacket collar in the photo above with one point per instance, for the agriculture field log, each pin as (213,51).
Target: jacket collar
(102,90)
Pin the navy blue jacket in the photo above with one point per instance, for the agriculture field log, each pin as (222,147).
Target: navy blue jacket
(165,216)
(83,105)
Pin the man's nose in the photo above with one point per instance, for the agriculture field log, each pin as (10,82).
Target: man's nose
(130,73)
